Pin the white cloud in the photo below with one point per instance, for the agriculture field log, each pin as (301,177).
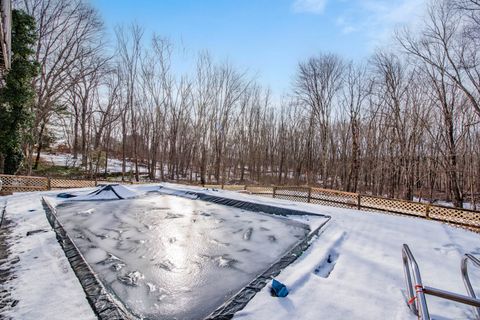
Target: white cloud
(310,6)
(348,29)
(379,18)
(403,13)
(394,12)
(345,25)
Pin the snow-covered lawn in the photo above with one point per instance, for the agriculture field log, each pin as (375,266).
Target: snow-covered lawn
(67,160)
(44,283)
(353,270)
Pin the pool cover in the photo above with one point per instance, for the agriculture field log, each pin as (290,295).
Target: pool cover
(175,258)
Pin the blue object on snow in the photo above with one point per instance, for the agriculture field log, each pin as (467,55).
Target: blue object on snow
(65,195)
(279,289)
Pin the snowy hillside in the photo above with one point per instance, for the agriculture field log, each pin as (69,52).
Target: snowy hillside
(67,160)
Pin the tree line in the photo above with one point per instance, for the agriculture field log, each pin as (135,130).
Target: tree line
(403,123)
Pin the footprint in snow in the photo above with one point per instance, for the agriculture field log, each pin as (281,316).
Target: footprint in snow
(326,266)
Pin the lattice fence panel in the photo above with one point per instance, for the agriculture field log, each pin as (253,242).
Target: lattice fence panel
(107,182)
(461,216)
(300,194)
(396,206)
(332,204)
(114,182)
(264,191)
(291,198)
(234,187)
(132,182)
(319,196)
(23,183)
(213,186)
(65,184)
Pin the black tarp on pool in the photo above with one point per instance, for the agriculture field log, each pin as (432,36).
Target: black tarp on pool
(176,258)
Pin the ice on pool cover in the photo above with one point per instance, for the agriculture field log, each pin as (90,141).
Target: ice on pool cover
(176,258)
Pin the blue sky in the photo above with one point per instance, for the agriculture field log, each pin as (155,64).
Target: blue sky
(267,37)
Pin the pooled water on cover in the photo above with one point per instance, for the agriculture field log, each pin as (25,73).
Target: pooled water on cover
(175,258)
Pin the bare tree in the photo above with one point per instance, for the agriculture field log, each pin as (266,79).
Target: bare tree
(129,52)
(318,81)
(67,31)
(448,45)
(355,92)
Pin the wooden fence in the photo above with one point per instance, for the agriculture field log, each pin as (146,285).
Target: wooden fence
(466,218)
(11,183)
(469,219)
(22,184)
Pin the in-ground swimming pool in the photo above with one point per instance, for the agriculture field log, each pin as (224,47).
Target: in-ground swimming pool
(169,257)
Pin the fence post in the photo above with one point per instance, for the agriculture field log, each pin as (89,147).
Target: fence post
(309,194)
(427,211)
(359,204)
(245,187)
(49,184)
(274,191)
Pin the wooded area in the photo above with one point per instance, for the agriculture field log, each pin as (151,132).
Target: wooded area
(404,123)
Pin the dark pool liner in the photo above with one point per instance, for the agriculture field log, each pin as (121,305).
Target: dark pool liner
(102,303)
(105,307)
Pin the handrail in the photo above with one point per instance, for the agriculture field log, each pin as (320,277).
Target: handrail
(451,296)
(466,279)
(417,291)
(415,287)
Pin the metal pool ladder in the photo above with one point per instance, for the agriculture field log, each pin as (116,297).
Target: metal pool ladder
(417,291)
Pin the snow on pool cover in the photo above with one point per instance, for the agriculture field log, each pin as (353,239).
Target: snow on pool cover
(169,257)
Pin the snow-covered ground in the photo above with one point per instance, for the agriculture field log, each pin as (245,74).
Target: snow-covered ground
(466,205)
(67,160)
(44,284)
(353,270)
